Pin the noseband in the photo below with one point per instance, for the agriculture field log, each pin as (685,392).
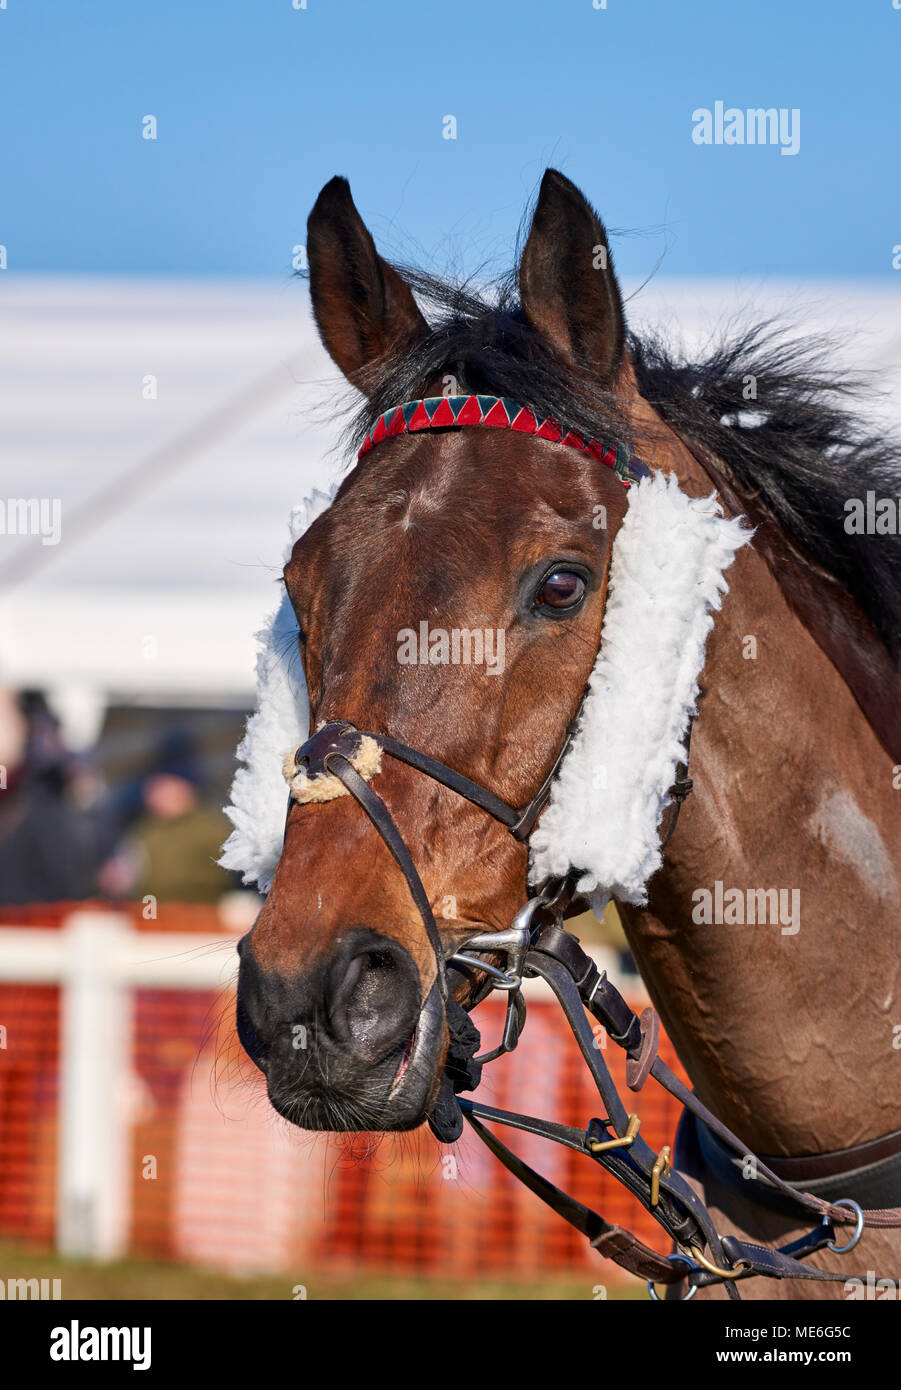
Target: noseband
(334,749)
(537,945)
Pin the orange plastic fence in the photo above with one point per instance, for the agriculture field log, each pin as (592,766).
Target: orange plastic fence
(218,1179)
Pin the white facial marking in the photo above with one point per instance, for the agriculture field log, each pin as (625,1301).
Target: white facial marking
(424,500)
(841,826)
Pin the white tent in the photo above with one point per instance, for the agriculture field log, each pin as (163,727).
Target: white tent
(177,423)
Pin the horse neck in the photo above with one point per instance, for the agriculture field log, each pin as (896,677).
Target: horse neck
(786,1026)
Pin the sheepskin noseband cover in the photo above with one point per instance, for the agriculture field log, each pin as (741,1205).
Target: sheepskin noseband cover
(606,803)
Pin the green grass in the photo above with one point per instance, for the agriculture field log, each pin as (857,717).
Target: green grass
(147,1279)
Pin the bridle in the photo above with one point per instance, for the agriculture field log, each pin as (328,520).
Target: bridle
(333,749)
(536,944)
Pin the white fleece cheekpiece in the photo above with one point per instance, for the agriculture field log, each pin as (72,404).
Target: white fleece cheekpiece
(282,721)
(603,817)
(666,580)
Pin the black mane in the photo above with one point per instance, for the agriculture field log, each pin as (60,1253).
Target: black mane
(797,449)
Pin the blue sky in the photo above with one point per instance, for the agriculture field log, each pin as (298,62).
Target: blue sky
(259,103)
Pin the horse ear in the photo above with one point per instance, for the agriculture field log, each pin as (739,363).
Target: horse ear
(567,286)
(362,306)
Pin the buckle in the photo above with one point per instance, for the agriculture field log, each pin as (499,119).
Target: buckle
(624,1141)
(661,1169)
(736,1271)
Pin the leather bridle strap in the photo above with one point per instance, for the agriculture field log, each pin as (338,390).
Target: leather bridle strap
(342,739)
(440,772)
(380,816)
(332,749)
(850,1173)
(604,1001)
(678,793)
(519,821)
(558,958)
(572,975)
(625,1249)
(611,1241)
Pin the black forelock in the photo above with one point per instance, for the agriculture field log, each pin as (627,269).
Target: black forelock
(482,339)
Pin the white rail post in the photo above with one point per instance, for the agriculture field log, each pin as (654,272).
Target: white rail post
(95,1059)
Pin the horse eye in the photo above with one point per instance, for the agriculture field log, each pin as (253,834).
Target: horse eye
(561,590)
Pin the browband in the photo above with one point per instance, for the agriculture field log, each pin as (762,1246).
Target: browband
(497,412)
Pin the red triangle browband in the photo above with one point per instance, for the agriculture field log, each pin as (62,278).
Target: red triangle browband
(496,412)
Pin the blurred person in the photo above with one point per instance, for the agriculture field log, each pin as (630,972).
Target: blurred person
(47,841)
(171,848)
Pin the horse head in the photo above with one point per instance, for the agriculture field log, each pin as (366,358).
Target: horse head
(451,598)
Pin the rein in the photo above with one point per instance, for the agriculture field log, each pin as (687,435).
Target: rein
(537,945)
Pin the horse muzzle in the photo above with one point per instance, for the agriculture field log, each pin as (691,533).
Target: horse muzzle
(351,1046)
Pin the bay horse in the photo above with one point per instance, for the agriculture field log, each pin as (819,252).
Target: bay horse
(381,930)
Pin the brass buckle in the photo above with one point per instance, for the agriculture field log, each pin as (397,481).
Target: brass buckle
(661,1169)
(734,1273)
(598,1146)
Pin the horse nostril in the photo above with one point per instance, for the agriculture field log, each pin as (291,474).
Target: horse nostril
(373,995)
